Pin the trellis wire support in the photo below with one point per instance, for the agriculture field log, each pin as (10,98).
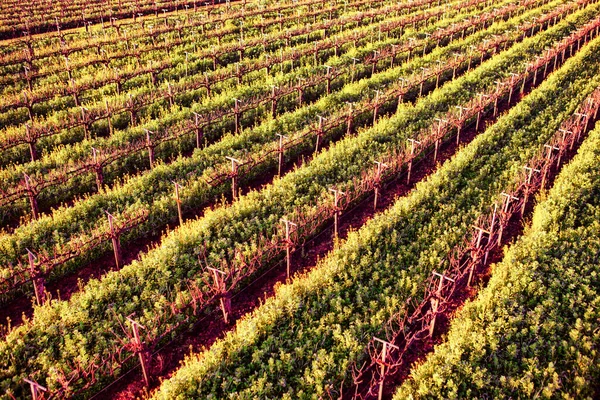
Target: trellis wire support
(319,133)
(236,111)
(460,117)
(273,100)
(300,90)
(225,301)
(548,165)
(566,132)
(413,142)
(384,354)
(456,56)
(512,81)
(280,151)
(423,70)
(36,389)
(31,141)
(86,132)
(480,233)
(526,194)
(114,238)
(376,54)
(507,199)
(336,215)
(329,68)
(108,118)
(150,147)
(435,300)
(37,289)
(234,172)
(403,83)
(471,47)
(427,36)
(349,118)
(354,60)
(584,117)
(440,121)
(199,133)
(437,75)
(31,195)
(380,167)
(288,244)
(481,97)
(376,108)
(97,167)
(137,341)
(499,84)
(178,201)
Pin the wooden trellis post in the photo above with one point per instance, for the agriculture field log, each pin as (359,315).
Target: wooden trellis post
(376,54)
(114,235)
(438,73)
(548,164)
(273,100)
(435,300)
(512,85)
(393,55)
(411,46)
(36,389)
(382,362)
(380,168)
(412,153)
(481,231)
(349,118)
(31,140)
(481,97)
(507,199)
(584,119)
(566,132)
(109,118)
(234,173)
(438,137)
(150,147)
(38,282)
(97,168)
(289,225)
(460,117)
(199,132)
(456,64)
(178,201)
(32,196)
(186,62)
(320,133)
(376,108)
(491,230)
(471,47)
(526,194)
(132,112)
(280,151)
(336,215)
(354,60)
(328,76)
(499,84)
(225,299)
(236,112)
(86,132)
(139,345)
(403,83)
(423,70)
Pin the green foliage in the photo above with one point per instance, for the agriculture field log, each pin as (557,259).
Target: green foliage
(534,330)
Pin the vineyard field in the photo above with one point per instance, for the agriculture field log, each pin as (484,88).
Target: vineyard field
(302,199)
